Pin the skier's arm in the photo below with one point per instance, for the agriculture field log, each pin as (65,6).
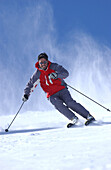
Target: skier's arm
(62,73)
(33,82)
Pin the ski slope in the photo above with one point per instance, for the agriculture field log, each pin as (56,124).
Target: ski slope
(42,142)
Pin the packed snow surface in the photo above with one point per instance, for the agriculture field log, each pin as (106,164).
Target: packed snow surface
(44,143)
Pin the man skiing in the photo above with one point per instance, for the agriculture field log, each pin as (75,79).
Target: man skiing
(51,77)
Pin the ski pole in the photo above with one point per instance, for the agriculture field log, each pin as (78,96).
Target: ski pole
(89,98)
(6,130)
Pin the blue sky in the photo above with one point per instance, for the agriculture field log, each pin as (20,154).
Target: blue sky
(91,16)
(74,33)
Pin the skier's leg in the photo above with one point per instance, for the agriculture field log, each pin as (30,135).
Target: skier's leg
(58,103)
(72,104)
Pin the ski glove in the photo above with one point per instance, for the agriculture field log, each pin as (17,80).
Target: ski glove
(53,76)
(25,98)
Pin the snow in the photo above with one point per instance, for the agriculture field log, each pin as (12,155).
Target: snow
(54,147)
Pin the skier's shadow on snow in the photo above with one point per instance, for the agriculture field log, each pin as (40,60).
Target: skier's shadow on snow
(27,130)
(48,128)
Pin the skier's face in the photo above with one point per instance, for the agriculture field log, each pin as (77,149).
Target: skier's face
(43,63)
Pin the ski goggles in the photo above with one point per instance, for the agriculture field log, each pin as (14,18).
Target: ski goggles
(44,62)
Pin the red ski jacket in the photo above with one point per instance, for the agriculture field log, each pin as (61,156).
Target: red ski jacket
(50,86)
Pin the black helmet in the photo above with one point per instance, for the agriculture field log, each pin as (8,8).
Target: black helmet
(42,55)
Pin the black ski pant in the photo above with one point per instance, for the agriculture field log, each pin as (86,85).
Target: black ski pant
(65,104)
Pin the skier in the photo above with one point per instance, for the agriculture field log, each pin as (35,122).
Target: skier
(51,75)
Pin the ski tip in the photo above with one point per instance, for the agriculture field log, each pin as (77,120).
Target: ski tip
(89,121)
(70,125)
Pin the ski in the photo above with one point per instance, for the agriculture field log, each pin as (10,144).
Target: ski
(70,125)
(78,124)
(90,121)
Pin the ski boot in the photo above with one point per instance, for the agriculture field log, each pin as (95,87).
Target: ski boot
(90,119)
(74,121)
